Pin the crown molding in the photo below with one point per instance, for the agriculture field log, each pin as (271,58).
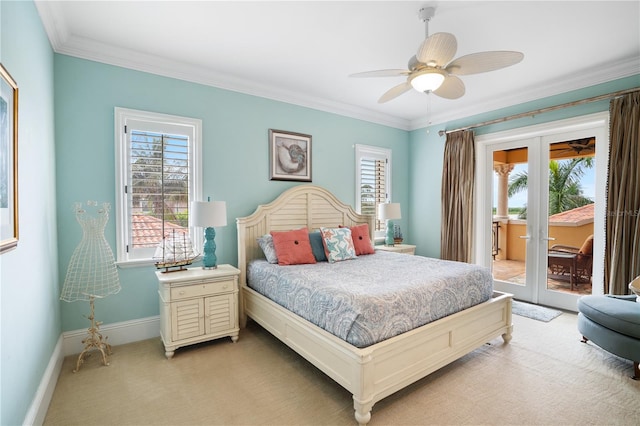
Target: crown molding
(99,52)
(71,45)
(54,23)
(567,83)
(65,43)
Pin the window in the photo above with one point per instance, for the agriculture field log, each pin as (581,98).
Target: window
(158,174)
(373,181)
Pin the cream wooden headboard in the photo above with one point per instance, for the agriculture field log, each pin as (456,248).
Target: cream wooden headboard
(302,206)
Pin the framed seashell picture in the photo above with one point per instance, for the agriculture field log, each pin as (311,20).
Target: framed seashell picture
(289,156)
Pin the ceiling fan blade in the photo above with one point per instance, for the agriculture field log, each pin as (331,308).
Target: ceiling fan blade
(452,88)
(394,92)
(483,61)
(381,73)
(437,49)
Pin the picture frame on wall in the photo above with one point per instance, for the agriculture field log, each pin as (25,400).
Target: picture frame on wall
(8,161)
(289,156)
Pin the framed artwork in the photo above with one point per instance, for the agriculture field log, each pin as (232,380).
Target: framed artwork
(289,156)
(8,161)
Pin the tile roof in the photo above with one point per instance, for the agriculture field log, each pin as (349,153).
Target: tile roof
(147,230)
(577,215)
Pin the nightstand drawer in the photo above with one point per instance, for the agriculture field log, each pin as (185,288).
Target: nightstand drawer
(204,289)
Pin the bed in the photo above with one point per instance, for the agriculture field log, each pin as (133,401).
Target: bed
(372,372)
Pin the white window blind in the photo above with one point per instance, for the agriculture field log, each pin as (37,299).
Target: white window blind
(159,190)
(158,175)
(373,177)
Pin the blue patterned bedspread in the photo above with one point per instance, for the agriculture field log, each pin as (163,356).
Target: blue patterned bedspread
(372,298)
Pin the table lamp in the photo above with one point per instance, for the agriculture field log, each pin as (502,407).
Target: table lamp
(208,214)
(388,212)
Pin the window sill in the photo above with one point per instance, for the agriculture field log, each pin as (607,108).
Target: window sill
(135,263)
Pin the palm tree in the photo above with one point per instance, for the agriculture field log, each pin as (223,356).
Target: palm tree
(565,192)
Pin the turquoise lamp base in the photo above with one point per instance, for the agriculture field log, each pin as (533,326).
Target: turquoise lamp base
(209,259)
(388,241)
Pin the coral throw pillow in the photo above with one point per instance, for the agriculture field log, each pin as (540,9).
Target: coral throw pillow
(293,247)
(338,244)
(361,239)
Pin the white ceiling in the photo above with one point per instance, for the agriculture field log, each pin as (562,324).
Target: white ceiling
(302,52)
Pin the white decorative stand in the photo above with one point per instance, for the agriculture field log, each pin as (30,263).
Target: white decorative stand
(94,341)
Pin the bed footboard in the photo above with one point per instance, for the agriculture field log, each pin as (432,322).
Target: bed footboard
(377,371)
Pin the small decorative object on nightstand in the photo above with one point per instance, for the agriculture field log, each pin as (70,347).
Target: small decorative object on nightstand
(197,305)
(397,234)
(399,248)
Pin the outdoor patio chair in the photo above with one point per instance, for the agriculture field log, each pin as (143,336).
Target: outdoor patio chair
(573,264)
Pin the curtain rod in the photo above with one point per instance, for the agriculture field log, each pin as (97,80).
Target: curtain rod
(541,110)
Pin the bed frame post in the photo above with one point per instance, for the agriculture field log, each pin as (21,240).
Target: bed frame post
(242,262)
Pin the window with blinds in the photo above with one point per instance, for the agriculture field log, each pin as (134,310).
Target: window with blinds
(158,175)
(373,178)
(158,194)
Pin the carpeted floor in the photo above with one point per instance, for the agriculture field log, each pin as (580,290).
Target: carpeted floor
(545,376)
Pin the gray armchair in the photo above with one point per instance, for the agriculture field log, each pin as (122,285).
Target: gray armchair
(613,323)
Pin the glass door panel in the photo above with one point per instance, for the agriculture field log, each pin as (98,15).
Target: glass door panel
(571,208)
(536,237)
(509,225)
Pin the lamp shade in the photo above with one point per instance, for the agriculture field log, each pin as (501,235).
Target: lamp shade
(388,211)
(207,214)
(427,80)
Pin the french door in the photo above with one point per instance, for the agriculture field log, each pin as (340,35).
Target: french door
(515,233)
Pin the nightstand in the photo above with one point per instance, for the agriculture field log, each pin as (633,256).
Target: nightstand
(399,248)
(197,305)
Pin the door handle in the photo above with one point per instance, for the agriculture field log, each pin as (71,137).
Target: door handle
(525,237)
(548,239)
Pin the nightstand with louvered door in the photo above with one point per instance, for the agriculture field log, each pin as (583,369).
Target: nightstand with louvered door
(197,305)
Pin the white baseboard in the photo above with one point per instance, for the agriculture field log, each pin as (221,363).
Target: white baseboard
(70,343)
(38,408)
(118,333)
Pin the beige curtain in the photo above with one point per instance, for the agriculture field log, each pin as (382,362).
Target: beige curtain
(457,197)
(622,246)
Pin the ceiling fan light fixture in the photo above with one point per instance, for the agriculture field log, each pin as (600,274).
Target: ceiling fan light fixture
(427,80)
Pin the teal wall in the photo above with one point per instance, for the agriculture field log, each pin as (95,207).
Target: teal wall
(426,150)
(29,306)
(235,159)
(80,165)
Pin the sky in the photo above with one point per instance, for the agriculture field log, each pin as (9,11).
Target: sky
(520,199)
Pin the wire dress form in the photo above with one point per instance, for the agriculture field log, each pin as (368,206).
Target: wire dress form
(92,270)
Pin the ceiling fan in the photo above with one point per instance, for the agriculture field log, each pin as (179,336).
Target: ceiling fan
(432,70)
(577,146)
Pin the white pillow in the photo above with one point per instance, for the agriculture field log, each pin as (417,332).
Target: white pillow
(266,244)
